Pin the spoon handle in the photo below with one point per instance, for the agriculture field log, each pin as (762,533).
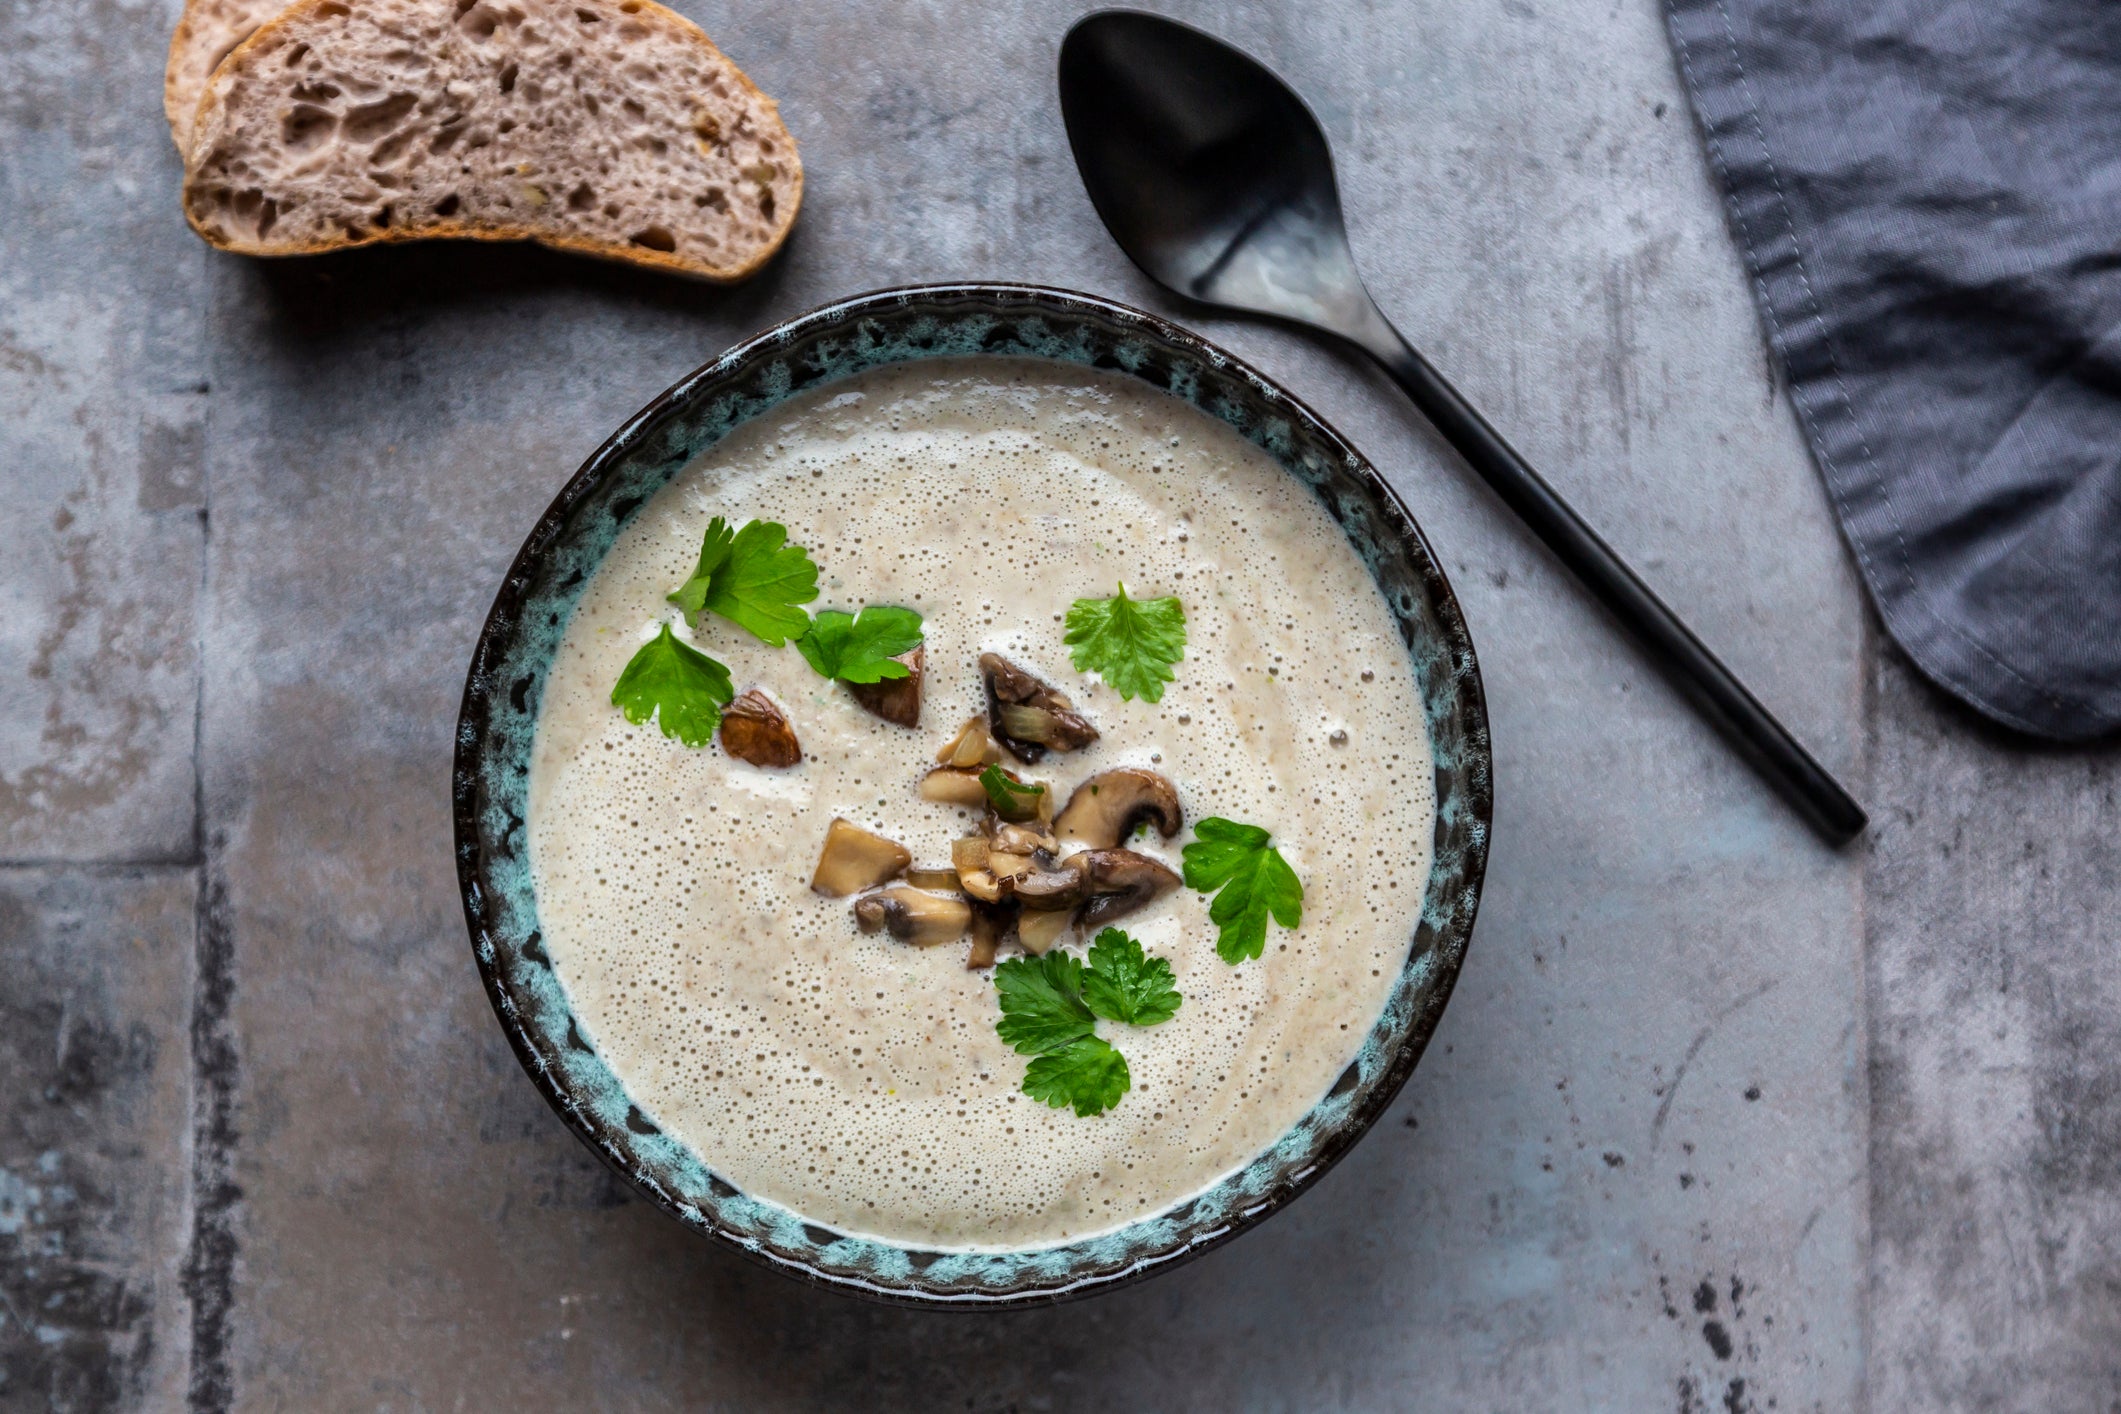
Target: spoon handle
(1686,660)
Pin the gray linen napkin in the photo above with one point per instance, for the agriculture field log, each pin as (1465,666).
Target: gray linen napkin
(1928,196)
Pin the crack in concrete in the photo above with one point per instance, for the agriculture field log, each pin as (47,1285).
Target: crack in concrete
(209,1268)
(143,864)
(210,1262)
(1701,1038)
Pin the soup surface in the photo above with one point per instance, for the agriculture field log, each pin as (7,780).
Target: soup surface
(855,1079)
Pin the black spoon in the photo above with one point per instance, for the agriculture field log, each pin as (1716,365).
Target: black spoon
(1217,181)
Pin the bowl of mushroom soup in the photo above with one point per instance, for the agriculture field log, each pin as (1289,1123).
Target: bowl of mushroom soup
(972,797)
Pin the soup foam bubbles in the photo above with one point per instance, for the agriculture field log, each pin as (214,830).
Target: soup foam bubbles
(859,1081)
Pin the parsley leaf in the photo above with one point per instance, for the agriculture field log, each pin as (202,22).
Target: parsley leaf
(1049,1010)
(861,648)
(1088,1074)
(1124,985)
(1133,642)
(753,578)
(1012,798)
(678,685)
(1042,1003)
(1255,881)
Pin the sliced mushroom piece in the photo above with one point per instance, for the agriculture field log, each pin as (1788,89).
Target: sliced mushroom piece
(1009,682)
(896,700)
(1106,810)
(931,876)
(1036,728)
(1023,839)
(755,729)
(1010,866)
(1026,715)
(993,880)
(947,785)
(1038,932)
(970,747)
(968,854)
(1063,886)
(983,886)
(854,859)
(1119,882)
(913,915)
(990,924)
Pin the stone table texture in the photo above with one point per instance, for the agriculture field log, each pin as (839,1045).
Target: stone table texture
(1718,1119)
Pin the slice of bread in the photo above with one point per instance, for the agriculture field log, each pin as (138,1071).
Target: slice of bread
(611,127)
(207,33)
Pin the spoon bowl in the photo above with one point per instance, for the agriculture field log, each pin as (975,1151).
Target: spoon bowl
(1212,175)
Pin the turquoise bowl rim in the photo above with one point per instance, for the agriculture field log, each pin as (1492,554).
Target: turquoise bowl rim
(529,614)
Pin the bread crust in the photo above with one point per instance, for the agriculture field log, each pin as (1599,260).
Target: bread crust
(240,67)
(191,62)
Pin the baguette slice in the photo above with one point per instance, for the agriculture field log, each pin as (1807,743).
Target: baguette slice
(611,127)
(208,32)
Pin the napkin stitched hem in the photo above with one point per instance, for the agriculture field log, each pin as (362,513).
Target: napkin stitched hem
(1728,112)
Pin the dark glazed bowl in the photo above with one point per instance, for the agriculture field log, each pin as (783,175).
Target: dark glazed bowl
(515,648)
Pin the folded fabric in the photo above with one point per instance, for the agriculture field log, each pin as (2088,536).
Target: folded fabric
(1928,196)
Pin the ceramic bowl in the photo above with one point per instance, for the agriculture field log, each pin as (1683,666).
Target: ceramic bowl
(515,650)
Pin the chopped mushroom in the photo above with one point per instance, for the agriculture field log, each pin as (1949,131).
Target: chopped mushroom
(1107,809)
(896,700)
(1062,886)
(993,880)
(952,785)
(1036,933)
(982,885)
(990,924)
(1097,885)
(1119,882)
(1023,839)
(932,876)
(947,785)
(1029,730)
(971,747)
(968,854)
(754,729)
(1026,715)
(913,915)
(970,857)
(1005,865)
(1015,862)
(854,859)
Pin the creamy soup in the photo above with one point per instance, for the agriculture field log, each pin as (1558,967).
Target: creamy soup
(855,1079)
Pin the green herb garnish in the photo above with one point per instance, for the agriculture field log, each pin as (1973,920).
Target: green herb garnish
(1123,984)
(1049,1005)
(1088,1074)
(1132,642)
(1042,1003)
(1011,798)
(861,648)
(1256,883)
(678,685)
(753,578)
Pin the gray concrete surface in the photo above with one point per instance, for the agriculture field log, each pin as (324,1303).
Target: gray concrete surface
(1717,1120)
